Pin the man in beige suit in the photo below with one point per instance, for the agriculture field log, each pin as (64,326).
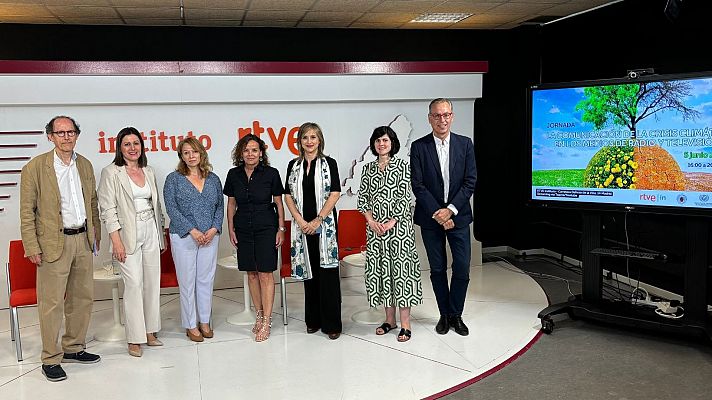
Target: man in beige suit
(59,221)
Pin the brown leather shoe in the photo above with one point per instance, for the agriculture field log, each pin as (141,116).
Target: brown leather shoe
(195,338)
(334,336)
(207,334)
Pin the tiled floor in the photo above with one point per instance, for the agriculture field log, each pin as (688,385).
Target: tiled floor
(501,312)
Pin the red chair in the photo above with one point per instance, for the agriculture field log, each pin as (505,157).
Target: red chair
(168,268)
(285,267)
(351,232)
(21,288)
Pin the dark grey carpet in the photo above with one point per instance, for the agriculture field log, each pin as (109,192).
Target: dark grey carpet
(584,360)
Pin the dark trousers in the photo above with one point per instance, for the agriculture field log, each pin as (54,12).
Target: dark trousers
(322,296)
(451,300)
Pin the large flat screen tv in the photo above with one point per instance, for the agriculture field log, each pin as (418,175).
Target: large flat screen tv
(633,144)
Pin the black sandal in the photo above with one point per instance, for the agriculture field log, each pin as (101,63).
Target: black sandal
(404,335)
(385,327)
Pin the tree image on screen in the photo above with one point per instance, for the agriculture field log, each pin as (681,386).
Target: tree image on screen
(626,105)
(634,167)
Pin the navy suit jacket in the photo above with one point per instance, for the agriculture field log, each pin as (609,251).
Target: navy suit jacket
(427,180)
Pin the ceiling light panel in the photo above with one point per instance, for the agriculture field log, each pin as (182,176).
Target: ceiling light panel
(440,18)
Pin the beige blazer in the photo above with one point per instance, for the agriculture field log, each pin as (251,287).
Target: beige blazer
(41,206)
(117,208)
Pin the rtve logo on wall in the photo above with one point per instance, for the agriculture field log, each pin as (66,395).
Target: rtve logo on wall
(160,141)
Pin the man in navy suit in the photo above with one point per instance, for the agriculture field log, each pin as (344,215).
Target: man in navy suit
(443,175)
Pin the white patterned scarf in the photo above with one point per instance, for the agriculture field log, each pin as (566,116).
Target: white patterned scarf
(328,247)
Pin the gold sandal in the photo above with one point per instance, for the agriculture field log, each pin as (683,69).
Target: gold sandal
(264,331)
(258,322)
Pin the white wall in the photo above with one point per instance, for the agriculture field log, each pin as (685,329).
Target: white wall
(347,107)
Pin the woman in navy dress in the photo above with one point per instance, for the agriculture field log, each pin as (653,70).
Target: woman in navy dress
(255,217)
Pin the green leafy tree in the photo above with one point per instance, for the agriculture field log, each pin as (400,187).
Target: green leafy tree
(626,105)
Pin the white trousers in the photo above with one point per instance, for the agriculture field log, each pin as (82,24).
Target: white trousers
(195,268)
(142,283)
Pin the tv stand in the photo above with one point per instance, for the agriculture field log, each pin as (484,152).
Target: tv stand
(590,304)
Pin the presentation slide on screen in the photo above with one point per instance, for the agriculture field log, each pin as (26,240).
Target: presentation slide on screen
(633,143)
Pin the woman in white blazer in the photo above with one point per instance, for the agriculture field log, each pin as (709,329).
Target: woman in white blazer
(131,210)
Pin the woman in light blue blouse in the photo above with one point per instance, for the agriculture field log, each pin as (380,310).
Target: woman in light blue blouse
(194,203)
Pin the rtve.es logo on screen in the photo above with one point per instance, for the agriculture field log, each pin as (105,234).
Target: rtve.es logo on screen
(160,141)
(652,198)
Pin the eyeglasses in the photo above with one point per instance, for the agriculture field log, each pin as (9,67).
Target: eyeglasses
(62,133)
(444,115)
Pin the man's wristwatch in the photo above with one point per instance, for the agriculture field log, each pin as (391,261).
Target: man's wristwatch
(282,229)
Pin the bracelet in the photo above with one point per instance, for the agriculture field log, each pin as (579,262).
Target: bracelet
(321,219)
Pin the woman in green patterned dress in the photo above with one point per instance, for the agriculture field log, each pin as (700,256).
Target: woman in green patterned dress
(392,265)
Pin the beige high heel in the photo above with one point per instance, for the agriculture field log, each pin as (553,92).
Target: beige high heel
(136,351)
(152,340)
(265,329)
(258,322)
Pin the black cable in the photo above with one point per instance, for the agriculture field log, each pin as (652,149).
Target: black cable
(535,274)
(574,269)
(562,264)
(613,291)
